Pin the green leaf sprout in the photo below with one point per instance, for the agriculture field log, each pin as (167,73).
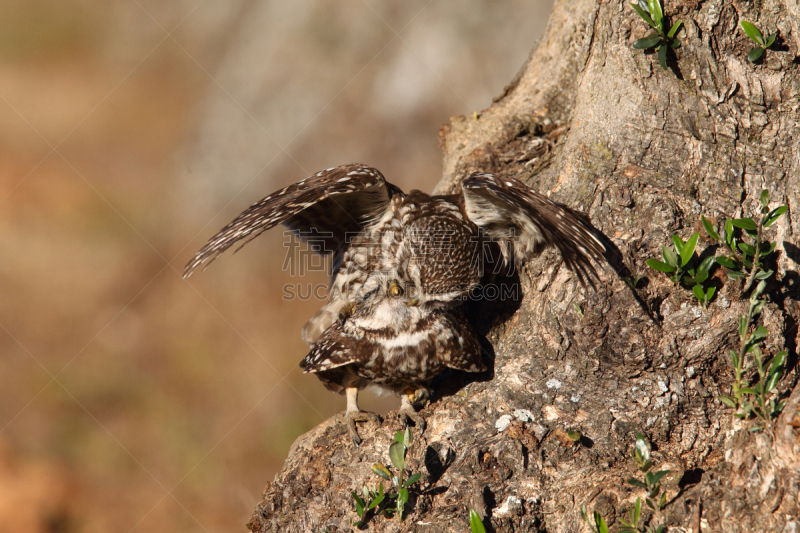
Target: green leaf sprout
(678,264)
(757,37)
(661,39)
(375,499)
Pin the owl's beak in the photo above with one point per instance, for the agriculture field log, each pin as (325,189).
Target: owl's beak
(412,302)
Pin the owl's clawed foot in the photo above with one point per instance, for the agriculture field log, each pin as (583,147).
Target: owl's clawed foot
(408,412)
(410,415)
(359,416)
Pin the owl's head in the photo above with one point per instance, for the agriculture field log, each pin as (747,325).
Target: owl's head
(406,292)
(381,288)
(384,303)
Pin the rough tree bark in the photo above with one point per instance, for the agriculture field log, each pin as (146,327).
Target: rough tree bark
(600,126)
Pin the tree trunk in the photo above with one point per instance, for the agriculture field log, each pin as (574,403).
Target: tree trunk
(601,127)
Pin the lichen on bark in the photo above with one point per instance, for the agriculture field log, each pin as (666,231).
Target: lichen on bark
(601,127)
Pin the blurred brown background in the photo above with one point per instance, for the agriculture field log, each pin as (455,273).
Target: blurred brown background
(130,132)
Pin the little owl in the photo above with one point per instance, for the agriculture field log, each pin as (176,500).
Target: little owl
(402,267)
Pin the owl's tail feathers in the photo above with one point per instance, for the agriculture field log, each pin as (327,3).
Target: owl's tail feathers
(322,320)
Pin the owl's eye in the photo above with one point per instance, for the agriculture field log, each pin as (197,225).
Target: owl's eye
(394,289)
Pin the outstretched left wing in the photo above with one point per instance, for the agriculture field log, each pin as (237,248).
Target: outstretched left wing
(510,211)
(322,208)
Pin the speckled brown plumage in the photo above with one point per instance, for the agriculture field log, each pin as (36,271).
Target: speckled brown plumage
(403,265)
(355,353)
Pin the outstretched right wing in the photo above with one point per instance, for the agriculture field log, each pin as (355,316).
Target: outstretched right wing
(322,208)
(510,211)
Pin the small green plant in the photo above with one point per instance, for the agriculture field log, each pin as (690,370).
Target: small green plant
(758,400)
(695,278)
(661,39)
(631,525)
(753,397)
(597,524)
(652,480)
(677,264)
(651,483)
(475,522)
(746,259)
(378,500)
(631,281)
(369,500)
(577,309)
(757,37)
(674,262)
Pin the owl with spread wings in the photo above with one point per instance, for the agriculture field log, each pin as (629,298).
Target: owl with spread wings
(403,265)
